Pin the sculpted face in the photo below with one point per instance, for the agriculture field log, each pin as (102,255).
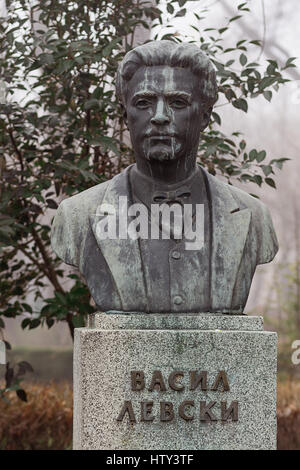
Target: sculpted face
(164,113)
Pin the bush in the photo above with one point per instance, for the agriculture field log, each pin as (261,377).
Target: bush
(43,423)
(288,415)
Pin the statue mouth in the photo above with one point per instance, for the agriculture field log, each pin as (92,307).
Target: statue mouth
(161,136)
(160,133)
(161,139)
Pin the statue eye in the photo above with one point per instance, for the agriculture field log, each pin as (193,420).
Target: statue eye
(179,103)
(142,104)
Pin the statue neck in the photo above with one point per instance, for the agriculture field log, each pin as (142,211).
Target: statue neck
(170,172)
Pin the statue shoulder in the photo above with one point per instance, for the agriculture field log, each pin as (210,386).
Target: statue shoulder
(81,204)
(71,222)
(245,199)
(261,225)
(261,221)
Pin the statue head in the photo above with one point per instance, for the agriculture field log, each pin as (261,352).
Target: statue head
(168,91)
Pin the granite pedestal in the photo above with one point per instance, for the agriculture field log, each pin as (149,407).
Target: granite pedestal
(174,381)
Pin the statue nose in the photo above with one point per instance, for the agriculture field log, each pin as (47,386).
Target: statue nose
(160,116)
(160,119)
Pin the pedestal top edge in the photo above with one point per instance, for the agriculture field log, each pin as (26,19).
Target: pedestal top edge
(175,321)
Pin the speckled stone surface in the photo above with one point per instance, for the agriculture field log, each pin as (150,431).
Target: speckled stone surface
(104,358)
(186,321)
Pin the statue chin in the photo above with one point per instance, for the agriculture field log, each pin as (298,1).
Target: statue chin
(162,155)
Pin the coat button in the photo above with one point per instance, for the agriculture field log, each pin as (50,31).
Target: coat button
(178,299)
(176,254)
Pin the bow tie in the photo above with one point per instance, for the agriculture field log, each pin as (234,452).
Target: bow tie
(168,197)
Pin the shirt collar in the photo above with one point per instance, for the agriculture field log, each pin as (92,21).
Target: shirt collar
(143,187)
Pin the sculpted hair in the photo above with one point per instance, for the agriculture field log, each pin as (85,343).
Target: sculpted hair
(173,54)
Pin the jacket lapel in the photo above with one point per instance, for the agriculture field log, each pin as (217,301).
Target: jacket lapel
(123,256)
(230,226)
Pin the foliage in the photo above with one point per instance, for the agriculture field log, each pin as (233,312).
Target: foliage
(288,415)
(282,313)
(44,422)
(61,131)
(13,378)
(286,287)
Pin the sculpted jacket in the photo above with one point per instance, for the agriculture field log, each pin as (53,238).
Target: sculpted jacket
(242,236)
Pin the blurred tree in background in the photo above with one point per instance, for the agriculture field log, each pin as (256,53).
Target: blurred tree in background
(282,313)
(61,131)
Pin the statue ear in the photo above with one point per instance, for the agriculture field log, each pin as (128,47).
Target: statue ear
(206,117)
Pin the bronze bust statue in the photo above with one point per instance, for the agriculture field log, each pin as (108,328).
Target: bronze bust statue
(168,91)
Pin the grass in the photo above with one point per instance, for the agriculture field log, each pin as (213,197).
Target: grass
(44,422)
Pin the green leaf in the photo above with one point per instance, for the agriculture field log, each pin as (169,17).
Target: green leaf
(243,59)
(51,203)
(229,63)
(46,59)
(256,42)
(268,95)
(61,297)
(21,394)
(24,367)
(253,155)
(279,162)
(289,63)
(50,322)
(91,104)
(65,66)
(181,12)
(270,182)
(267,169)
(106,52)
(78,321)
(241,104)
(7,221)
(257,179)
(27,307)
(34,323)
(170,8)
(235,18)
(251,84)
(266,82)
(261,156)
(230,94)
(25,323)
(109,143)
(216,117)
